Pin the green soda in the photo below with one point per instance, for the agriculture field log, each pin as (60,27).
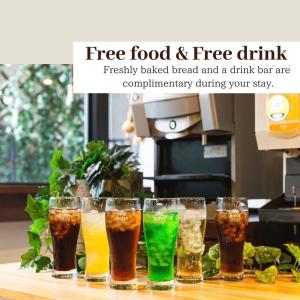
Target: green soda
(161,230)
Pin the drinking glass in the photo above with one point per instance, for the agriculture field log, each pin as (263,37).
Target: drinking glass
(161,222)
(232,221)
(95,238)
(64,222)
(190,244)
(123,224)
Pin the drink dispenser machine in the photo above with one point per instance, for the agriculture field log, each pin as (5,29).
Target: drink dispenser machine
(206,146)
(277,126)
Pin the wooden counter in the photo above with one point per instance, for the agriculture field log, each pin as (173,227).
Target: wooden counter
(26,284)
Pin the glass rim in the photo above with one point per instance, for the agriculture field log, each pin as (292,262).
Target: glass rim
(163,198)
(233,198)
(192,198)
(122,198)
(64,197)
(230,203)
(93,198)
(64,202)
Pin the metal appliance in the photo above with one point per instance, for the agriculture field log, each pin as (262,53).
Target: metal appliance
(205,145)
(277,123)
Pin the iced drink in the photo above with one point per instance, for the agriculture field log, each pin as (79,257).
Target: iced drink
(190,246)
(64,226)
(231,227)
(96,245)
(160,231)
(123,230)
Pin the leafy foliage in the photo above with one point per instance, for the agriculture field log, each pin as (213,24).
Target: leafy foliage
(28,258)
(249,251)
(95,163)
(268,275)
(116,163)
(81,262)
(211,261)
(264,254)
(295,251)
(214,252)
(38,233)
(209,267)
(296,275)
(36,208)
(248,255)
(257,258)
(42,263)
(95,151)
(59,166)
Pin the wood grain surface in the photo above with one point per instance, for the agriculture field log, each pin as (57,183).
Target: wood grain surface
(26,284)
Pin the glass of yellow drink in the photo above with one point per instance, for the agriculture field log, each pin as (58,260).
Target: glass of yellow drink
(95,238)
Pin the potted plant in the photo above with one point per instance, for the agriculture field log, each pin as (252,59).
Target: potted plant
(116,174)
(69,177)
(97,170)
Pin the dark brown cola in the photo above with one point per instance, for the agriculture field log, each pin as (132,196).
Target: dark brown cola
(123,230)
(231,227)
(64,226)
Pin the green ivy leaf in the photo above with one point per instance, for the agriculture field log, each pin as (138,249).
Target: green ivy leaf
(209,267)
(58,161)
(36,208)
(249,251)
(268,275)
(32,208)
(285,258)
(28,257)
(38,226)
(42,193)
(218,263)
(264,254)
(296,275)
(93,146)
(62,181)
(48,241)
(294,250)
(249,262)
(285,267)
(44,208)
(214,252)
(42,263)
(54,187)
(81,264)
(34,241)
(80,258)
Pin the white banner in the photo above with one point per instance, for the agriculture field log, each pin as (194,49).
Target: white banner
(187,67)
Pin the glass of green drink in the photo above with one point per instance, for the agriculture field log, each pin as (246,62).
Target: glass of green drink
(161,222)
